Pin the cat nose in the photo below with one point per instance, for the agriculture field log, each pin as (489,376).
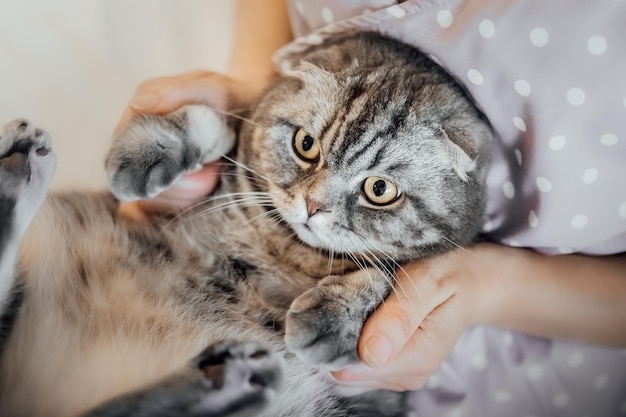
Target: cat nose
(313,207)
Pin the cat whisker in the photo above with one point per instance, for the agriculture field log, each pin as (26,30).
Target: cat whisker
(210,199)
(267,213)
(391,276)
(182,121)
(463,248)
(234,115)
(246,168)
(251,201)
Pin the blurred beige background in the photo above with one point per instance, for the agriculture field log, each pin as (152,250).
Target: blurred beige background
(70,66)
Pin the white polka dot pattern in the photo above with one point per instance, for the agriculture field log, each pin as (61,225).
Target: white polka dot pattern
(576,96)
(509,190)
(609,139)
(544,184)
(475,77)
(597,45)
(522,87)
(519,124)
(487,29)
(444,18)
(550,80)
(590,176)
(539,37)
(579,221)
(533,220)
(557,142)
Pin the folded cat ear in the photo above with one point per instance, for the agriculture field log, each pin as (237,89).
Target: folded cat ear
(461,149)
(315,76)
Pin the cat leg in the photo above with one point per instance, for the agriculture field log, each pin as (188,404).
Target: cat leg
(152,152)
(323,324)
(228,379)
(26,167)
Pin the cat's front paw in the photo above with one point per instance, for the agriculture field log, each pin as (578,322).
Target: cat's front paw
(153,151)
(27,164)
(324,323)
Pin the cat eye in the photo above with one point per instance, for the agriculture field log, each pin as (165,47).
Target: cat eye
(379,191)
(306,146)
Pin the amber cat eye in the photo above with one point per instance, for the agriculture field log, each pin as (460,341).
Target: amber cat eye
(306,146)
(379,191)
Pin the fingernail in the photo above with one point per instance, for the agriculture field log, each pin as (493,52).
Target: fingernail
(377,352)
(145,101)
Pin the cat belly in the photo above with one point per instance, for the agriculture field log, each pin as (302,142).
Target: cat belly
(90,327)
(54,367)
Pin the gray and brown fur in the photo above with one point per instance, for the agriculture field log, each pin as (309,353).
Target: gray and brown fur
(192,315)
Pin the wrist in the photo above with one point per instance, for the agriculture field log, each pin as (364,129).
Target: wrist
(493,269)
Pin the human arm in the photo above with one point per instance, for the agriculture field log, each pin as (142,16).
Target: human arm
(573,297)
(260,28)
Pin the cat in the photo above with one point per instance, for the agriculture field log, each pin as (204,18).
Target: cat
(366,155)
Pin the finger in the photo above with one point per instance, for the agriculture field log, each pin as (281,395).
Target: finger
(166,94)
(360,387)
(128,114)
(373,379)
(417,292)
(419,358)
(169,93)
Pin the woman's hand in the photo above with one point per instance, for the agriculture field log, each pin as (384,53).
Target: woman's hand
(164,95)
(411,333)
(261,27)
(570,297)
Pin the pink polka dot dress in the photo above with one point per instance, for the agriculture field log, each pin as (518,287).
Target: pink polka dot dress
(551,78)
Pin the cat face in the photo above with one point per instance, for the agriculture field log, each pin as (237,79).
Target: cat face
(361,162)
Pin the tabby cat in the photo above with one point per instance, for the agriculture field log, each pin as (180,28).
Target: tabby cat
(366,155)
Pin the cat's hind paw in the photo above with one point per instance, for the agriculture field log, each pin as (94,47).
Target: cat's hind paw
(245,376)
(27,164)
(228,379)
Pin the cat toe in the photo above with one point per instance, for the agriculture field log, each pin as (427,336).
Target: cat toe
(26,157)
(240,364)
(321,331)
(148,157)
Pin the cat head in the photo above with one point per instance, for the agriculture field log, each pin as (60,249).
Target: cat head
(369,148)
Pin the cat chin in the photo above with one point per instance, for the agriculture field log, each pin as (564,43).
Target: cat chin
(308,236)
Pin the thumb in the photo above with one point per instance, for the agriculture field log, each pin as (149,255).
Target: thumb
(396,320)
(387,331)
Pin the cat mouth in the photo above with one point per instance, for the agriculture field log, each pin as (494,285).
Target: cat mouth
(308,235)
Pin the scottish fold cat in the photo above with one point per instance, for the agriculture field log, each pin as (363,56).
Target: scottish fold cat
(366,155)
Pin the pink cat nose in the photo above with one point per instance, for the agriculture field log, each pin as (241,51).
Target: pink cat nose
(314,207)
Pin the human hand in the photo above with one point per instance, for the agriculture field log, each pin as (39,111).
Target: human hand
(412,332)
(164,95)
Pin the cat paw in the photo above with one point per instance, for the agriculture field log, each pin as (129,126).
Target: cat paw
(244,377)
(323,328)
(27,164)
(228,379)
(153,151)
